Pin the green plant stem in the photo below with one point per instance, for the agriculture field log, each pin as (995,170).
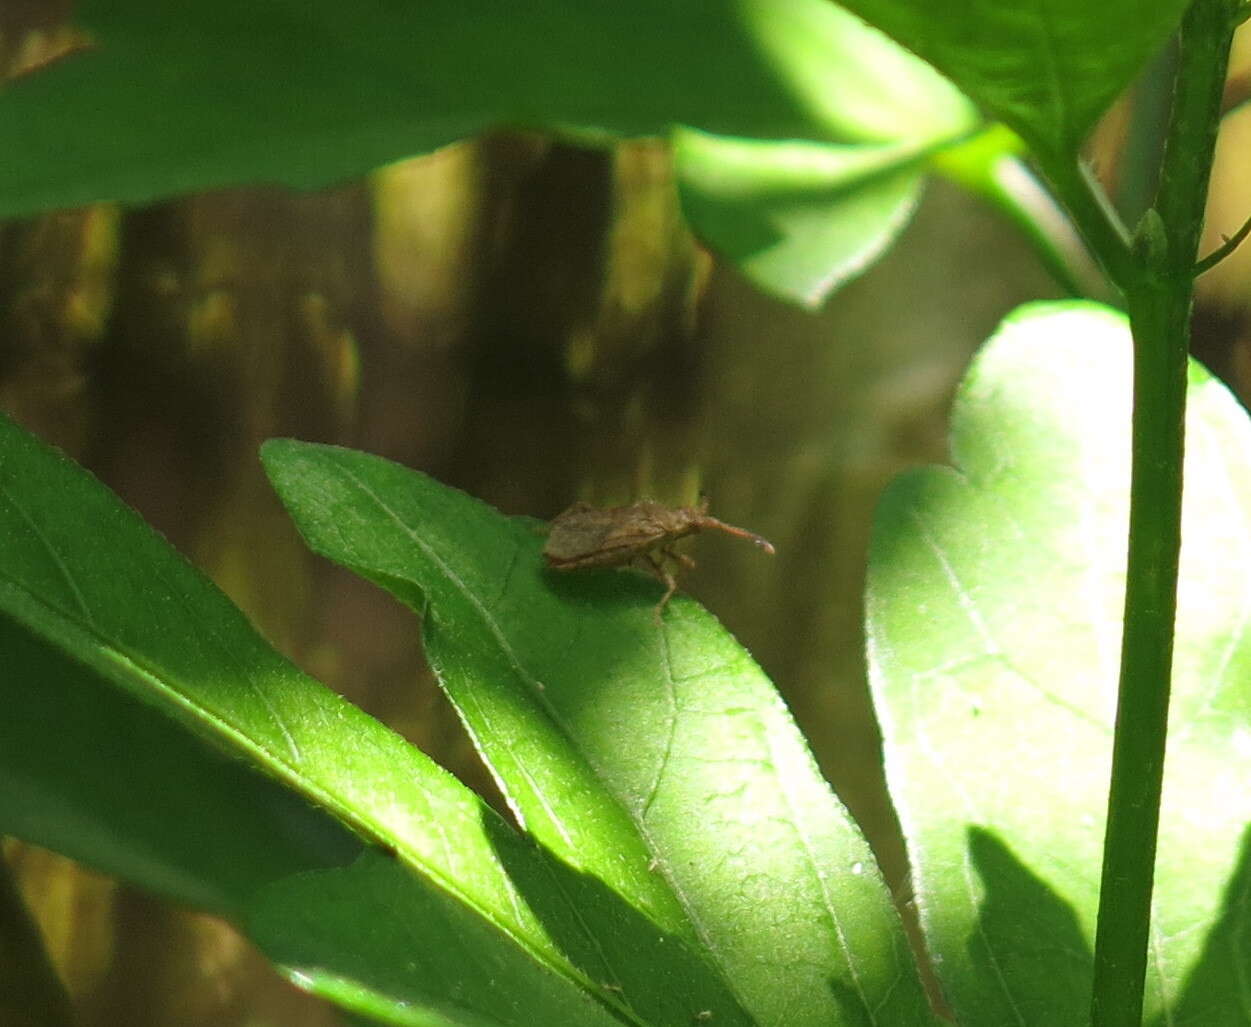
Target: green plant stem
(1159,292)
(1230,244)
(1026,201)
(1093,215)
(1160,348)
(989,164)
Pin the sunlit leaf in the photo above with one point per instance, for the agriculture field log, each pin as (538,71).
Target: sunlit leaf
(92,600)
(656,760)
(799,219)
(994,619)
(95,774)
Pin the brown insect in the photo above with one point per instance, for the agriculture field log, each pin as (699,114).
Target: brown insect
(590,536)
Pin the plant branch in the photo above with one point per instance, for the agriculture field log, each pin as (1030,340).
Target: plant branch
(1231,243)
(1159,292)
(1093,214)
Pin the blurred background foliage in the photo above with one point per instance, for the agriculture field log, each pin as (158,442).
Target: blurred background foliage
(533,323)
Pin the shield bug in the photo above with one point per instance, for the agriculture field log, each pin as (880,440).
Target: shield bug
(590,536)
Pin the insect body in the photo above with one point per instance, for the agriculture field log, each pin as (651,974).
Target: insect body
(589,536)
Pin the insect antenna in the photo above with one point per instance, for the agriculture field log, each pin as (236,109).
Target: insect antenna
(729,529)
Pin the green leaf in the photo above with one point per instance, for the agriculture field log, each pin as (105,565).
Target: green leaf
(95,774)
(246,96)
(799,219)
(802,218)
(378,941)
(654,761)
(570,936)
(994,611)
(90,593)
(203,95)
(1047,68)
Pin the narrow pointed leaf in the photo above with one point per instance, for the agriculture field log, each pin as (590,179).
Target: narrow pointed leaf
(378,941)
(92,599)
(656,761)
(994,611)
(95,774)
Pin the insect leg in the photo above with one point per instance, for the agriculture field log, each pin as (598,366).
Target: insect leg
(681,559)
(667,579)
